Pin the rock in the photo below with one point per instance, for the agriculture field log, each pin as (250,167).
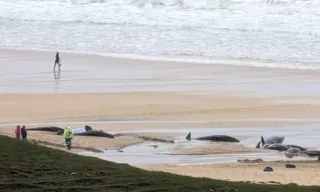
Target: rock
(154,146)
(94,150)
(155,139)
(244,160)
(274,182)
(257,161)
(250,161)
(290,166)
(118,135)
(268,169)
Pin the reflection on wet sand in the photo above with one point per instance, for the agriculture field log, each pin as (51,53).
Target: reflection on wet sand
(57,74)
(57,77)
(91,73)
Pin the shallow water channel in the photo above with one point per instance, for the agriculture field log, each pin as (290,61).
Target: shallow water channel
(305,136)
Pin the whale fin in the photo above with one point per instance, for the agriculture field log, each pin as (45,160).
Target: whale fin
(188,136)
(258,145)
(262,141)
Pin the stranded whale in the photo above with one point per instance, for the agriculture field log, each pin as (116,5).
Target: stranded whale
(278,146)
(215,138)
(271,140)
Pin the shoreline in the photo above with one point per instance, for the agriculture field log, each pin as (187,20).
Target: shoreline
(144,58)
(28,72)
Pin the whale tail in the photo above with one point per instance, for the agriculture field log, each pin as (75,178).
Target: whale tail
(188,136)
(258,145)
(262,141)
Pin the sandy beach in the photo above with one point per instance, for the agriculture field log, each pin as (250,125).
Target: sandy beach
(306,173)
(107,93)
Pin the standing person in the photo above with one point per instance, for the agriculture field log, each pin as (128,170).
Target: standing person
(68,135)
(65,131)
(57,61)
(17,132)
(24,133)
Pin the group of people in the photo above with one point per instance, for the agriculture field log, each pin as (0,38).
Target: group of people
(21,132)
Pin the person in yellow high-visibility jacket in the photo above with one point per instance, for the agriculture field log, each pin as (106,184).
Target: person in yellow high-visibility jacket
(65,131)
(68,135)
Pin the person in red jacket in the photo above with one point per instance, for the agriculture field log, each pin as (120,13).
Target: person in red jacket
(17,131)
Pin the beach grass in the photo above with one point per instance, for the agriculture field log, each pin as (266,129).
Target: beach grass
(30,167)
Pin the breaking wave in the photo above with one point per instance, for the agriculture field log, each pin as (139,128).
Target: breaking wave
(181,3)
(271,31)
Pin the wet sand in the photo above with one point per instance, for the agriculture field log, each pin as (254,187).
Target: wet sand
(304,174)
(208,149)
(30,71)
(128,95)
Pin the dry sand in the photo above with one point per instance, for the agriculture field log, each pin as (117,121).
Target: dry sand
(304,173)
(149,106)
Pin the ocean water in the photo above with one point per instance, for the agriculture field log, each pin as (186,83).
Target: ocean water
(274,33)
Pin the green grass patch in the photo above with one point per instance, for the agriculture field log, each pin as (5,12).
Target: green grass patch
(28,167)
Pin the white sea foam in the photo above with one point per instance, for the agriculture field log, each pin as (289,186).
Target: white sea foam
(273,33)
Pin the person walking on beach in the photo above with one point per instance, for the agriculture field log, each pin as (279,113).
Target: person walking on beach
(24,133)
(57,61)
(17,132)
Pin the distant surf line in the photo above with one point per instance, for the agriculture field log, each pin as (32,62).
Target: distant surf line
(161,121)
